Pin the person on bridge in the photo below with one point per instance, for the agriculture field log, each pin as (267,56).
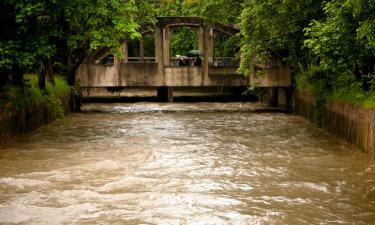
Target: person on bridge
(198,61)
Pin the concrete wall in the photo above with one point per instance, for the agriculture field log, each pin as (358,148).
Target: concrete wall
(94,75)
(305,105)
(140,75)
(21,121)
(274,74)
(277,97)
(183,76)
(351,123)
(149,75)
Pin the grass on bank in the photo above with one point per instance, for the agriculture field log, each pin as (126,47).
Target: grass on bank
(15,98)
(342,92)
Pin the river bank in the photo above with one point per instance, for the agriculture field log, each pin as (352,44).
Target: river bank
(24,110)
(352,123)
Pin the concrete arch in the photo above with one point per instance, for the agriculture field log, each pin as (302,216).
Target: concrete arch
(198,30)
(205,30)
(228,33)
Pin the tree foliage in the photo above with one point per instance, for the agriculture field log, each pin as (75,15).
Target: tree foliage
(331,43)
(276,26)
(343,43)
(63,31)
(212,11)
(183,40)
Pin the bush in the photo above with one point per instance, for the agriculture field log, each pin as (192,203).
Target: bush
(16,98)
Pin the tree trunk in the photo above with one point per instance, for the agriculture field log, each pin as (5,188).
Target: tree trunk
(72,74)
(73,65)
(17,76)
(49,73)
(42,77)
(4,78)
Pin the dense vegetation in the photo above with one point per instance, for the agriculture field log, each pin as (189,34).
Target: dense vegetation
(329,44)
(16,98)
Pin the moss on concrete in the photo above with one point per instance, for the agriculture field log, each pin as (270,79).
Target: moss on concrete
(25,109)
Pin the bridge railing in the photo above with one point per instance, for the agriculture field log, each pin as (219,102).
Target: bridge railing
(225,62)
(174,61)
(138,59)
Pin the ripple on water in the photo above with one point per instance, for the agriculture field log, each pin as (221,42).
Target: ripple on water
(184,164)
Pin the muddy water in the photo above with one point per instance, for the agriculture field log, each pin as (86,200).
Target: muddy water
(184,164)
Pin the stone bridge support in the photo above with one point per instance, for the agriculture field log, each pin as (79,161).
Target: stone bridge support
(275,78)
(165,94)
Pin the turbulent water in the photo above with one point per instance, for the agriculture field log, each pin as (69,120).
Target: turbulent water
(201,163)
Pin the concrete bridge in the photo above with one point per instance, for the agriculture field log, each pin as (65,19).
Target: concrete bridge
(161,70)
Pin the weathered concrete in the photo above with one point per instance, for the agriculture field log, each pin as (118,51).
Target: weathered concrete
(140,75)
(95,75)
(351,123)
(162,73)
(148,75)
(305,105)
(15,122)
(165,94)
(277,97)
(274,73)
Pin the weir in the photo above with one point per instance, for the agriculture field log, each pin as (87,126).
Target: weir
(163,72)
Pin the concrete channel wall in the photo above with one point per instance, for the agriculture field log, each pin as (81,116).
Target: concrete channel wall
(351,123)
(21,121)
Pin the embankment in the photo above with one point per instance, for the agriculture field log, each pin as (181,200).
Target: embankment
(28,119)
(353,123)
(25,109)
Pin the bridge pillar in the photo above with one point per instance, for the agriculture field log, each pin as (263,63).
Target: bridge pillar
(208,51)
(277,97)
(159,50)
(165,94)
(124,50)
(166,44)
(210,46)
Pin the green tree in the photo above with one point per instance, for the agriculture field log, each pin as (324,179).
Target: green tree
(183,40)
(26,43)
(220,11)
(276,26)
(91,25)
(343,44)
(39,33)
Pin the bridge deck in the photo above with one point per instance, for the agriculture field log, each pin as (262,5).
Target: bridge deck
(149,75)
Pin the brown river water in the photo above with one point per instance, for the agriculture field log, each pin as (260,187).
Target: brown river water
(198,163)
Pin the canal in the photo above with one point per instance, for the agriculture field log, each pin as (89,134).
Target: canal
(198,163)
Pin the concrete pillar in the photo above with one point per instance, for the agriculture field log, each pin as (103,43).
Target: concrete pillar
(170,94)
(141,49)
(166,44)
(165,94)
(200,32)
(284,98)
(208,52)
(158,36)
(159,54)
(124,50)
(273,96)
(210,46)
